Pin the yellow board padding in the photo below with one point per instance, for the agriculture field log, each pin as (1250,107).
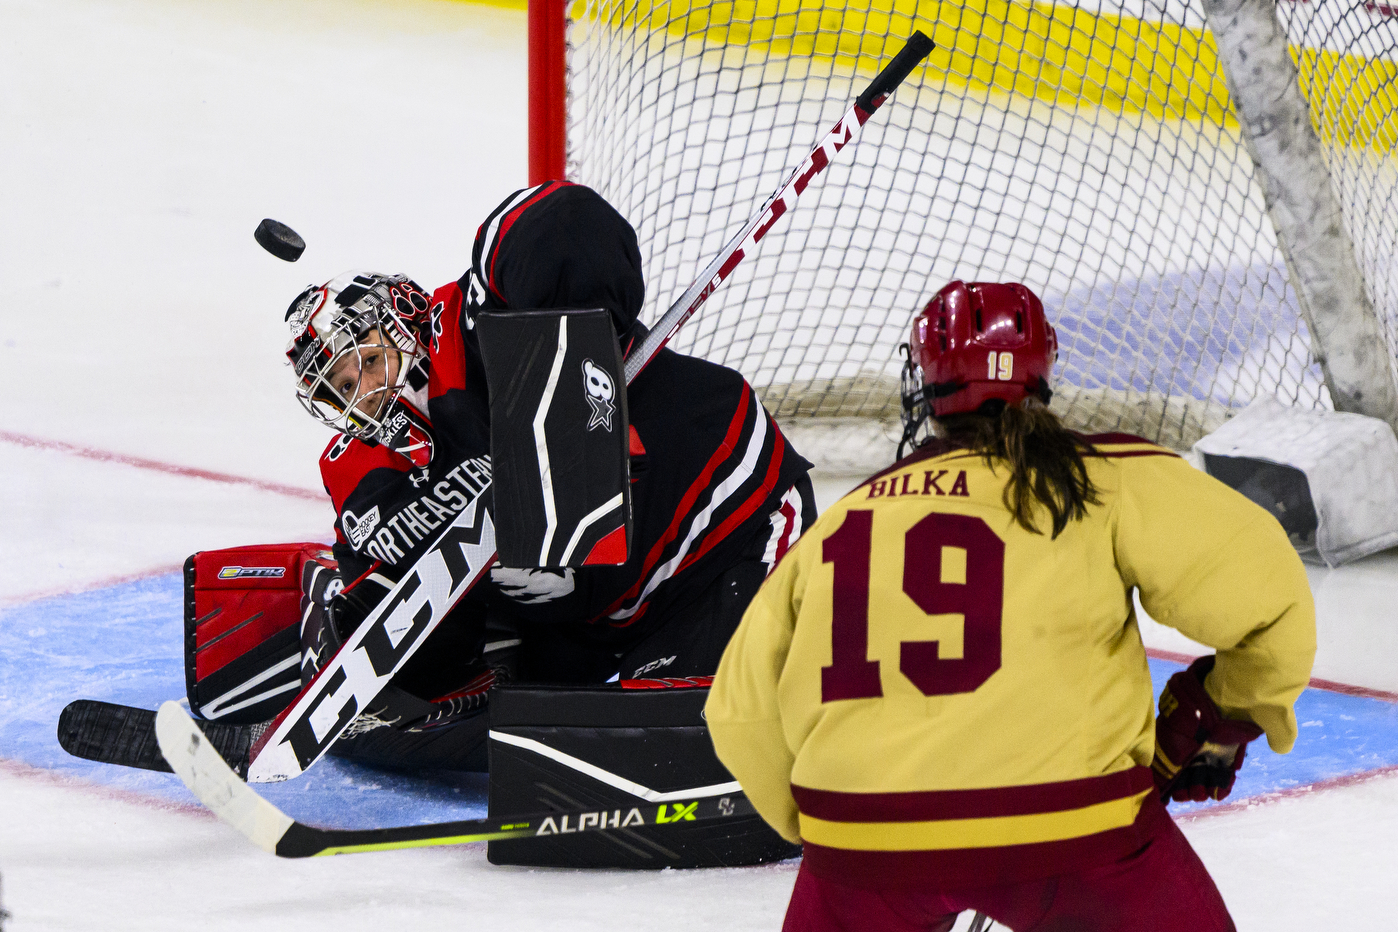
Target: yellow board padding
(521,5)
(1037,50)
(1356,99)
(995,832)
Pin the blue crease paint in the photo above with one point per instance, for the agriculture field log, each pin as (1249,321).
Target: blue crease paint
(125,644)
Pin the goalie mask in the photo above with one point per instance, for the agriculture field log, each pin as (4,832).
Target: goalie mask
(974,343)
(360,364)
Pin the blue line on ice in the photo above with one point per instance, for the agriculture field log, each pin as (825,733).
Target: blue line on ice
(124,644)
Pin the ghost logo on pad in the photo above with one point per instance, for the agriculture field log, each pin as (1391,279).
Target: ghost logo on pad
(340,446)
(357,527)
(600,392)
(436,318)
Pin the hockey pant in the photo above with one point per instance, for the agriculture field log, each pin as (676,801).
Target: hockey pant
(1160,887)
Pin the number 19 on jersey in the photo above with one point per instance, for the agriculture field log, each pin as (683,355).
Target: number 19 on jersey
(978,597)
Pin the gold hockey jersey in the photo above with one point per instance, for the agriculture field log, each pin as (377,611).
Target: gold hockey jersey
(923,688)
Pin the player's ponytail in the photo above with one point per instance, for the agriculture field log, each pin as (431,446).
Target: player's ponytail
(1044,457)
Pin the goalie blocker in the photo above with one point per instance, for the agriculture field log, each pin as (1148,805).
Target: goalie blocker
(558,437)
(242,640)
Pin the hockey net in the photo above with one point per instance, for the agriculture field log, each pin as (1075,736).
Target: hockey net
(1089,151)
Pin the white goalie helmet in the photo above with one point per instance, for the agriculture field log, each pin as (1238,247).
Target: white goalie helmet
(356,348)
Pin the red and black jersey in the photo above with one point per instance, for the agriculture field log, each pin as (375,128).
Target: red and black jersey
(708,464)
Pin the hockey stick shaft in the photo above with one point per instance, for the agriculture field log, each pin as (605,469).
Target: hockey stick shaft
(305,841)
(207,775)
(845,132)
(381,644)
(392,632)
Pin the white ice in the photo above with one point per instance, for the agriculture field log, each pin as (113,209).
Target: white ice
(140,143)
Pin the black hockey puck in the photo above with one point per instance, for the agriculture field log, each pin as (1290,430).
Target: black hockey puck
(279,239)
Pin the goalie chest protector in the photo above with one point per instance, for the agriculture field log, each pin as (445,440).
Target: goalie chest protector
(566,747)
(558,437)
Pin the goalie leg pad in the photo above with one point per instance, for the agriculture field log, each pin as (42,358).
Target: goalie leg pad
(692,639)
(556,748)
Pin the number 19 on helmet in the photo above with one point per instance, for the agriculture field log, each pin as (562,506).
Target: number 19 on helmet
(974,343)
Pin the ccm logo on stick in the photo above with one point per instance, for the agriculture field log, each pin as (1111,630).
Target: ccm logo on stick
(262,572)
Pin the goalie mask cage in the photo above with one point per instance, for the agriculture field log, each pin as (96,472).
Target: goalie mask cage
(1191,260)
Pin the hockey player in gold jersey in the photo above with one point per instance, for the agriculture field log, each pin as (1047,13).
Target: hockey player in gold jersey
(941,690)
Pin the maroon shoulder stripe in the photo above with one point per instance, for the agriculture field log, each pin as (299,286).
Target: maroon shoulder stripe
(929,450)
(1127,454)
(1098,440)
(1114,438)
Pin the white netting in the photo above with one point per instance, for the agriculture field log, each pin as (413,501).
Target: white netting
(1087,151)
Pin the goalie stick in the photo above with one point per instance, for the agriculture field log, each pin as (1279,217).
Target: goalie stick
(125,735)
(198,763)
(456,560)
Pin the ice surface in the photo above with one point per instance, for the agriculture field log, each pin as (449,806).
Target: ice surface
(143,142)
(72,520)
(79,860)
(140,143)
(124,644)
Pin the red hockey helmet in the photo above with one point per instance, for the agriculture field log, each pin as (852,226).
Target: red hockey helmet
(977,342)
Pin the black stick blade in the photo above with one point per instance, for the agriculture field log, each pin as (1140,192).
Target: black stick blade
(279,239)
(120,734)
(110,734)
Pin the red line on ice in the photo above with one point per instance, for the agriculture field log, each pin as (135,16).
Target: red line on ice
(90,586)
(1306,789)
(24,771)
(1316,682)
(174,469)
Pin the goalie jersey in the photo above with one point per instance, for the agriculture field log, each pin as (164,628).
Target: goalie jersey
(709,466)
(923,688)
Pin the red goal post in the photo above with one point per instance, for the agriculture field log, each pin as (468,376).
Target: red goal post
(548,68)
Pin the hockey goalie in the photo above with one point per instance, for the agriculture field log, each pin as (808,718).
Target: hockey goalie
(634,524)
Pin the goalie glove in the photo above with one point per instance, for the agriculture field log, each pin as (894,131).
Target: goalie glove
(1198,752)
(533,586)
(330,614)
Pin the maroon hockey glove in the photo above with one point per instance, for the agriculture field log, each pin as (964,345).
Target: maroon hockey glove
(1198,752)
